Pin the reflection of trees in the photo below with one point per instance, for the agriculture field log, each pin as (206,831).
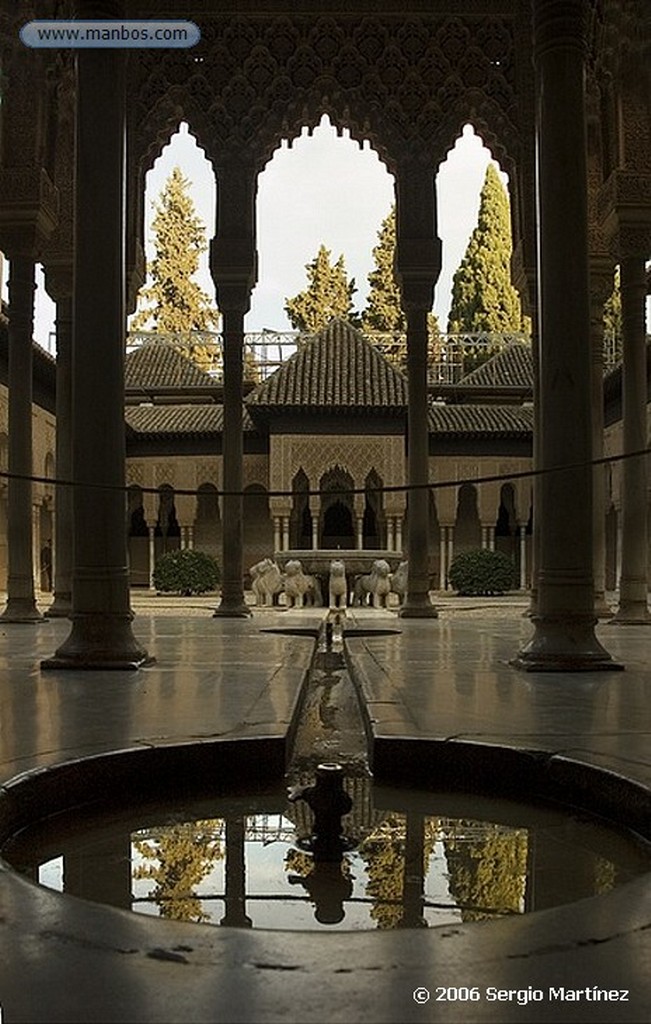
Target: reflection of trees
(183,855)
(487,870)
(604,875)
(384,853)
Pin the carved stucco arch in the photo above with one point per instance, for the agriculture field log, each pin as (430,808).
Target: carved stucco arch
(253,82)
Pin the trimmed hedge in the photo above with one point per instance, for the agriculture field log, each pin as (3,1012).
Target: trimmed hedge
(186,572)
(481,572)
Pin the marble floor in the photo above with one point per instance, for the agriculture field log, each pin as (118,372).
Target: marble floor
(447,680)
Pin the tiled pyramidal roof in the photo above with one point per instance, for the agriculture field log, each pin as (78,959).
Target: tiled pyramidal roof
(510,368)
(479,420)
(157,364)
(336,369)
(174,420)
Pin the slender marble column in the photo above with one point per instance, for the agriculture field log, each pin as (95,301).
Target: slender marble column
(399,535)
(633,585)
(152,555)
(61,607)
(235,876)
(21,603)
(442,556)
(564,638)
(601,284)
(277,528)
(101,635)
(418,264)
(522,529)
(233,263)
(285,533)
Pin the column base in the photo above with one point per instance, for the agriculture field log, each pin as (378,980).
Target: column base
(21,609)
(601,609)
(564,644)
(232,611)
(61,607)
(632,613)
(99,642)
(418,608)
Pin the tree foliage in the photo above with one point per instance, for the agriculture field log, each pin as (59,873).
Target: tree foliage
(186,572)
(329,294)
(384,313)
(483,298)
(481,571)
(177,858)
(487,876)
(176,303)
(613,323)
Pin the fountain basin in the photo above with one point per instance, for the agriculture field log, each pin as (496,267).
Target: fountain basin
(239,782)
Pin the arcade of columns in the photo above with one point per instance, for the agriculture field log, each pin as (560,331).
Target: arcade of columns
(559,90)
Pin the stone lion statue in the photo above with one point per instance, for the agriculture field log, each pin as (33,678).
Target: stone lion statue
(300,589)
(399,581)
(266,581)
(375,587)
(338,585)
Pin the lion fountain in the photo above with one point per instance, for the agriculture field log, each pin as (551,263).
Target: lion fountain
(375,586)
(337,585)
(300,588)
(266,581)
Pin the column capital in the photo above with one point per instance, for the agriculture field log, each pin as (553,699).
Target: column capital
(559,25)
(624,209)
(29,210)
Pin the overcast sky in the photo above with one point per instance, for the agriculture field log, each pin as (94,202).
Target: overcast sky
(322,190)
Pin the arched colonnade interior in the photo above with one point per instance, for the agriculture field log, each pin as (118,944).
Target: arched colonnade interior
(407,84)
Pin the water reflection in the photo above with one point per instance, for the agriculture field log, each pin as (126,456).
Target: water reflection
(411,868)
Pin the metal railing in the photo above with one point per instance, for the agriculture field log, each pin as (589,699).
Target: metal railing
(451,356)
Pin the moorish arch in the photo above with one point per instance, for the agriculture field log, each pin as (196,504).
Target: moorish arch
(337,518)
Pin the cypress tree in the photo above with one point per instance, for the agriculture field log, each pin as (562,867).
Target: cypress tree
(384,313)
(483,298)
(179,305)
(329,294)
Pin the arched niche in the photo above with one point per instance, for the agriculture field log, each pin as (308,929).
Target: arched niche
(337,521)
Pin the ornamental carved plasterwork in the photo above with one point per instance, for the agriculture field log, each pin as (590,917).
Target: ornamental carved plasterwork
(357,455)
(164,473)
(256,470)
(406,83)
(135,474)
(207,471)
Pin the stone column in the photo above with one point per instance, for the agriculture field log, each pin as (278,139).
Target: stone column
(601,285)
(233,263)
(315,513)
(286,533)
(491,538)
(190,537)
(391,533)
(59,287)
(633,585)
(442,556)
(484,537)
(235,876)
(21,603)
(418,264)
(399,535)
(450,557)
(277,526)
(522,529)
(36,546)
(564,619)
(152,555)
(101,635)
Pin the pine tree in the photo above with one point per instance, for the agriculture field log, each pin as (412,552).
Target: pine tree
(180,306)
(329,294)
(384,313)
(483,298)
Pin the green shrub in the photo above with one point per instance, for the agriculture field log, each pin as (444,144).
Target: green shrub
(186,572)
(481,572)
